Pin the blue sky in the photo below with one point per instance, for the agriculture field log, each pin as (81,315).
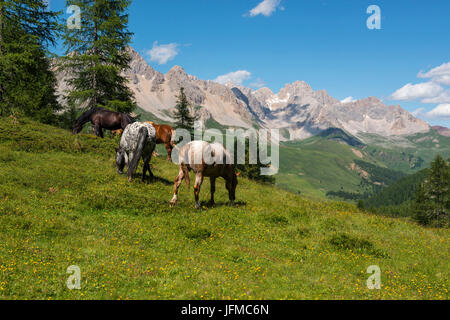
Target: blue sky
(323,42)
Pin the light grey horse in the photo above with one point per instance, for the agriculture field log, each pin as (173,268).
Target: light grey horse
(206,160)
(138,140)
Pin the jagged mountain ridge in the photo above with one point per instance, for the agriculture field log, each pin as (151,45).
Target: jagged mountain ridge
(297,109)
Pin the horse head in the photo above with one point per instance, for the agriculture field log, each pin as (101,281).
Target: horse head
(121,159)
(234,183)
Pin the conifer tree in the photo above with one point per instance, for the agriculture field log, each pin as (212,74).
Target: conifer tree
(182,115)
(96,55)
(251,171)
(27,85)
(432,202)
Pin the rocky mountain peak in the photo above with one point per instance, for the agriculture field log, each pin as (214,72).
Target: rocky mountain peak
(139,67)
(178,70)
(297,109)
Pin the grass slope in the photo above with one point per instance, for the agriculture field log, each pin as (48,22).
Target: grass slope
(62,204)
(317,165)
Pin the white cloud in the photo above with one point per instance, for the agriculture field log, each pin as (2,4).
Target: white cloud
(348,100)
(236,77)
(266,8)
(443,97)
(444,79)
(258,83)
(439,74)
(417,91)
(435,91)
(441,111)
(163,53)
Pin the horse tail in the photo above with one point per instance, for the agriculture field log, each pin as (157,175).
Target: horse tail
(137,154)
(173,135)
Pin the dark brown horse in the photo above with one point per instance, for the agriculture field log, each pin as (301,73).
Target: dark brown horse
(102,119)
(165,134)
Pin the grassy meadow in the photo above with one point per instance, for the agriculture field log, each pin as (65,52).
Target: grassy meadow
(62,204)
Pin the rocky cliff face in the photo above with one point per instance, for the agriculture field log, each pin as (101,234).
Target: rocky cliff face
(297,108)
(156,93)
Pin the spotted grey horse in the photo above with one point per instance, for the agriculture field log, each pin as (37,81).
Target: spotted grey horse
(138,140)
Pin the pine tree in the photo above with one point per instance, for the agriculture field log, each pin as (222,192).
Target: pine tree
(432,202)
(27,85)
(32,16)
(182,115)
(251,171)
(96,55)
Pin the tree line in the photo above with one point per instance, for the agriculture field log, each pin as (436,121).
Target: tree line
(95,58)
(424,196)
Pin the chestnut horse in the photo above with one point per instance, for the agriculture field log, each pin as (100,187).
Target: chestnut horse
(102,119)
(165,134)
(206,160)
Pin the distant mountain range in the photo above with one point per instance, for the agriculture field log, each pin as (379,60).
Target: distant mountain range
(297,109)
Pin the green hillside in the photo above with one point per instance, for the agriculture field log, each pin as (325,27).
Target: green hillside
(338,164)
(410,153)
(62,204)
(399,192)
(316,166)
(322,166)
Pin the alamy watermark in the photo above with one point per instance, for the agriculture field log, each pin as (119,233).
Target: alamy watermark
(257,140)
(74,21)
(74,280)
(374,21)
(374,281)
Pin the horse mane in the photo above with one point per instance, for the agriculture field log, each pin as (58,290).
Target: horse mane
(85,117)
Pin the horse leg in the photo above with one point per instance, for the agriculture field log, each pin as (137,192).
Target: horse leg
(147,159)
(130,171)
(177,184)
(169,151)
(97,130)
(213,189)
(144,170)
(229,188)
(197,186)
